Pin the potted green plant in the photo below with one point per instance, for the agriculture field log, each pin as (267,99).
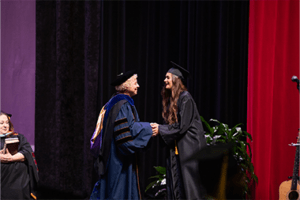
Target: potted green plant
(221,133)
(159,183)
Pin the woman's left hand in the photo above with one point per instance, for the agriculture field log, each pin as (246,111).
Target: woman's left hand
(7,157)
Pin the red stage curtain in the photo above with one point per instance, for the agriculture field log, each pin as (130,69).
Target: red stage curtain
(273,99)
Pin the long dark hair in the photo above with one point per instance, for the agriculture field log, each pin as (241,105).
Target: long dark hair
(170,98)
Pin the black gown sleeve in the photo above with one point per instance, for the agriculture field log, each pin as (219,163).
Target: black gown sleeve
(30,161)
(172,132)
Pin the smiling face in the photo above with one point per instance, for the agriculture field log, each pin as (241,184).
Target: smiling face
(168,81)
(4,124)
(129,87)
(132,88)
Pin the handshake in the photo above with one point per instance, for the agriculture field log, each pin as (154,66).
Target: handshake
(154,129)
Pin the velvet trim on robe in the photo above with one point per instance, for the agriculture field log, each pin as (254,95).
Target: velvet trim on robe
(128,136)
(19,179)
(190,137)
(100,147)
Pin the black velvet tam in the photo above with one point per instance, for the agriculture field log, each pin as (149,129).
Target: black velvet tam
(121,78)
(6,113)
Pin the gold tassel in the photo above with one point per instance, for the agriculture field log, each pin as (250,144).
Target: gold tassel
(221,195)
(176,149)
(33,196)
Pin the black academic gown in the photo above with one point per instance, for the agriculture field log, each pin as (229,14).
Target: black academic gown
(19,179)
(183,179)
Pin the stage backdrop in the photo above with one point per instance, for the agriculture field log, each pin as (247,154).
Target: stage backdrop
(83,45)
(273,99)
(18,64)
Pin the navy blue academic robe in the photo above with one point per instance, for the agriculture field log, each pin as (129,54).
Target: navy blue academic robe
(120,177)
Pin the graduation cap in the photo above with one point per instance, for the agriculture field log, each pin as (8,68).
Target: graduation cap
(218,171)
(121,78)
(179,71)
(9,115)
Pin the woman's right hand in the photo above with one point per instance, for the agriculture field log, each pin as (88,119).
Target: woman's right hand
(154,127)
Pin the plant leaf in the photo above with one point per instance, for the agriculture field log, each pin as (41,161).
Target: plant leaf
(150,185)
(214,120)
(157,176)
(160,169)
(248,135)
(235,130)
(207,126)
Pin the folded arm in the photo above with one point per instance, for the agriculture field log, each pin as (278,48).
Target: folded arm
(7,157)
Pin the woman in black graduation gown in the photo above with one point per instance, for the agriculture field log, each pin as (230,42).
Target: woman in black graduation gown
(19,175)
(183,133)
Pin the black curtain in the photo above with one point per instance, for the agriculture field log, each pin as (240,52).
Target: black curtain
(82,45)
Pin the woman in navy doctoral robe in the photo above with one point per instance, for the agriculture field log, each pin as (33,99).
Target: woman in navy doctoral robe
(115,145)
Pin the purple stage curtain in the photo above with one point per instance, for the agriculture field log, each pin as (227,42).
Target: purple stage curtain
(18,64)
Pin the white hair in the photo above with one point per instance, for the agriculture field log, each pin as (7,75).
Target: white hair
(123,87)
